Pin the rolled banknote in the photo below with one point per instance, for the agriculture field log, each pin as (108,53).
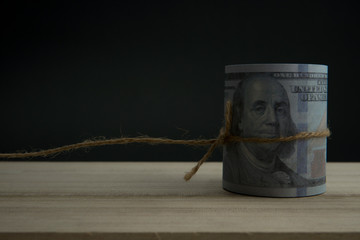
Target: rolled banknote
(271,101)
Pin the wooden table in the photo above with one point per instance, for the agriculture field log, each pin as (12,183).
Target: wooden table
(138,200)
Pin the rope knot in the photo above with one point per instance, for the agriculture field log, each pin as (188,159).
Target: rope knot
(225,137)
(222,137)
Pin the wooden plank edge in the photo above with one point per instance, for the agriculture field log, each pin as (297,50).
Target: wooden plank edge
(180,235)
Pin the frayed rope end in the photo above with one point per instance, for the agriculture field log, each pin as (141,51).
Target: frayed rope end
(190,174)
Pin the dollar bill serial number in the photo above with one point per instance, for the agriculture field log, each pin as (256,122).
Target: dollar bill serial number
(300,75)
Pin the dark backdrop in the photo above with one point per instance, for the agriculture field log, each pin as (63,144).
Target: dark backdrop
(76,70)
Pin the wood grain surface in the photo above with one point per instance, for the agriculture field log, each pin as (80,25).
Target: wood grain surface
(150,200)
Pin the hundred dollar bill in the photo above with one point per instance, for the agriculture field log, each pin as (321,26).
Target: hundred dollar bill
(271,101)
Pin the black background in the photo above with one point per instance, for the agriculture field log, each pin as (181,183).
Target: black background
(76,70)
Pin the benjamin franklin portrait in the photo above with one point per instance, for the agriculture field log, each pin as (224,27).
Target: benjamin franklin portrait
(261,109)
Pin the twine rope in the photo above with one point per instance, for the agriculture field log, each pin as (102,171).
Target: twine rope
(223,138)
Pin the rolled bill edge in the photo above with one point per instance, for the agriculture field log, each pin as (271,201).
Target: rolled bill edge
(270,101)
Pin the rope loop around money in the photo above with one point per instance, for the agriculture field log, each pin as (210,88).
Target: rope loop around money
(226,137)
(223,138)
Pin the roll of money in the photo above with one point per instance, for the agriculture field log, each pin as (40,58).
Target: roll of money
(272,101)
